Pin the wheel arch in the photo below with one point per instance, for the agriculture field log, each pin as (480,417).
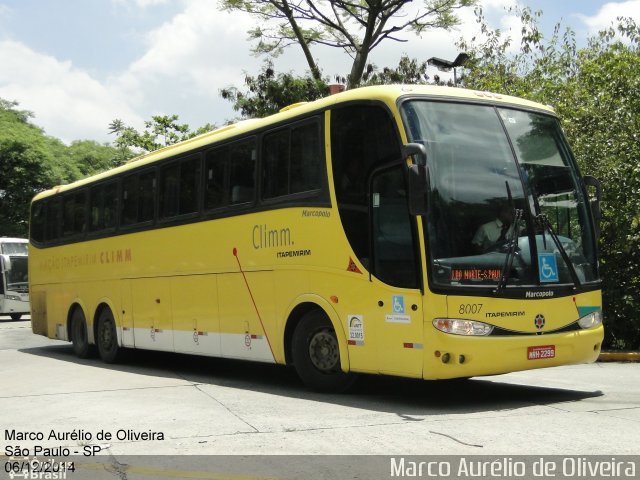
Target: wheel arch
(300,307)
(75,305)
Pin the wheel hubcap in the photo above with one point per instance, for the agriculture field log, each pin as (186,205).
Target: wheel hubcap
(106,334)
(323,351)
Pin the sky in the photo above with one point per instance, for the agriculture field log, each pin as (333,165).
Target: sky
(79,64)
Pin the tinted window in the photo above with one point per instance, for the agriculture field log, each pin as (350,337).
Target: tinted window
(103,207)
(394,250)
(362,137)
(242,166)
(291,161)
(179,188)
(276,159)
(54,208)
(74,209)
(169,178)
(215,168)
(38,221)
(138,198)
(189,186)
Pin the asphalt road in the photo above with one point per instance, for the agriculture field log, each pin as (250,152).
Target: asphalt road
(165,405)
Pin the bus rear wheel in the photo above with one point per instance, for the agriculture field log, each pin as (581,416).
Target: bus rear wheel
(16,316)
(316,354)
(79,337)
(107,337)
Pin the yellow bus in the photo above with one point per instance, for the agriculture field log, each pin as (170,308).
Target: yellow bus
(417,231)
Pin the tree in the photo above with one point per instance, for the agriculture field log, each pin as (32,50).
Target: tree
(92,157)
(32,161)
(596,93)
(355,27)
(159,132)
(409,71)
(269,92)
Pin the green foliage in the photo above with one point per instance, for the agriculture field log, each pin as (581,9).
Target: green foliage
(409,71)
(353,27)
(596,93)
(159,132)
(32,161)
(268,92)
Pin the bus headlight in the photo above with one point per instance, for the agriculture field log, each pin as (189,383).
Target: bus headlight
(12,297)
(592,320)
(458,326)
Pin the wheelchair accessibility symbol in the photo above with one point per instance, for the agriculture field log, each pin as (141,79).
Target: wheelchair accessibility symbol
(548,267)
(398,304)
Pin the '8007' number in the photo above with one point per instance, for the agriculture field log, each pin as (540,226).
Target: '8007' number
(469,308)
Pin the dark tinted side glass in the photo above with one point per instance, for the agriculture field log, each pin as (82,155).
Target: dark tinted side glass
(362,137)
(216,189)
(74,213)
(138,198)
(102,209)
(242,168)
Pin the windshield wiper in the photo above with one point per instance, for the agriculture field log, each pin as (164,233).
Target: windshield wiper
(544,222)
(512,242)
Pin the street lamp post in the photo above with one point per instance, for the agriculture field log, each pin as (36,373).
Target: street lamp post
(447,65)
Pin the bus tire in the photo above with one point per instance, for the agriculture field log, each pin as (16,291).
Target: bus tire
(316,354)
(107,337)
(79,337)
(16,316)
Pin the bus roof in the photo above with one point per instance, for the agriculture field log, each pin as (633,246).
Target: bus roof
(385,93)
(13,240)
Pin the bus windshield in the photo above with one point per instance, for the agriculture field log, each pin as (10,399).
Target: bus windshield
(16,277)
(504,202)
(13,248)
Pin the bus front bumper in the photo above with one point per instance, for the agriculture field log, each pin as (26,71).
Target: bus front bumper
(459,356)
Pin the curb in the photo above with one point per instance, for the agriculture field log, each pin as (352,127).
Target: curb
(619,357)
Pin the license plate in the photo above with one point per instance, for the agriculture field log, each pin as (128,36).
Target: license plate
(538,353)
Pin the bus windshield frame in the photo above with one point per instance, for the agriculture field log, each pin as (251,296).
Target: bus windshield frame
(507,209)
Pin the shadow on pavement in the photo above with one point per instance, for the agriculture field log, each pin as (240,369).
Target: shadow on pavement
(405,397)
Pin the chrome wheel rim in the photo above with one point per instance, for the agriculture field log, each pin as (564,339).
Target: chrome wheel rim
(324,352)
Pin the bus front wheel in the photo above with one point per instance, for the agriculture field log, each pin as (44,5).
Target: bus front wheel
(79,338)
(16,316)
(107,338)
(316,354)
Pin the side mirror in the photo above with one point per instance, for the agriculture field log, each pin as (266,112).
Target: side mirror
(590,181)
(418,177)
(6,262)
(416,151)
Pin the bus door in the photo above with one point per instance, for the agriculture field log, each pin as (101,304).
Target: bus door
(396,264)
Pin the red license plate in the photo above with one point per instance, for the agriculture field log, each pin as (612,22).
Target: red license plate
(538,353)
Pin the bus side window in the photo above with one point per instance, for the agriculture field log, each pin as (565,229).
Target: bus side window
(215,175)
(147,196)
(138,198)
(129,199)
(276,161)
(38,221)
(242,166)
(188,201)
(54,208)
(305,158)
(74,209)
(169,191)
